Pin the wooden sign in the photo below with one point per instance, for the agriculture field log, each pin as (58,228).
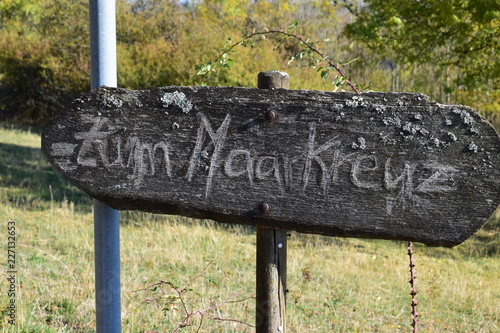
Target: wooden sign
(375,165)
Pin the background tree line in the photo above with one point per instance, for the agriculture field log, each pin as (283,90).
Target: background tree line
(447,49)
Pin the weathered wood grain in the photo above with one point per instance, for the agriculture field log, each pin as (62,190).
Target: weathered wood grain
(377,165)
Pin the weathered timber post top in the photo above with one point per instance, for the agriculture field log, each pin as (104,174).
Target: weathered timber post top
(377,165)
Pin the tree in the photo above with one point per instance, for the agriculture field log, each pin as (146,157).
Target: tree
(460,39)
(44,52)
(43,56)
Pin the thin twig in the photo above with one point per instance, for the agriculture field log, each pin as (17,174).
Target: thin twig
(413,292)
(202,314)
(301,40)
(234,298)
(199,275)
(172,285)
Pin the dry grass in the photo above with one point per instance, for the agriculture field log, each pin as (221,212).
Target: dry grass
(335,285)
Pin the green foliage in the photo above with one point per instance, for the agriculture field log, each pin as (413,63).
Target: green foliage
(308,54)
(452,44)
(43,56)
(446,49)
(450,33)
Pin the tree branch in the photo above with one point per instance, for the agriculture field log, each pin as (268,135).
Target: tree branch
(302,40)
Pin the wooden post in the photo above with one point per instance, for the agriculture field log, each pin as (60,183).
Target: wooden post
(271,252)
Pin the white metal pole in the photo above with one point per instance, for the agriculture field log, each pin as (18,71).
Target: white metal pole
(103,43)
(106,219)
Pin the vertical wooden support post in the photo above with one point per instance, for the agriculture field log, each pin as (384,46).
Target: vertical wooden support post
(271,253)
(106,220)
(271,281)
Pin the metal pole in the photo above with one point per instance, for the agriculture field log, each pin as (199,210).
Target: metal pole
(271,253)
(102,43)
(106,219)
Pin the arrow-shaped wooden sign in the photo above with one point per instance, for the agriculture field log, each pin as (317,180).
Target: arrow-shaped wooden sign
(375,165)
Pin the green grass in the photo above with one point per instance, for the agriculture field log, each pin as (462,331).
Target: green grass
(335,285)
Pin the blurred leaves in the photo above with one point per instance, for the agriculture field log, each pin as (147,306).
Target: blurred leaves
(43,56)
(458,40)
(446,49)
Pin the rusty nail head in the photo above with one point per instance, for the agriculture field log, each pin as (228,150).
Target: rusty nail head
(271,116)
(264,207)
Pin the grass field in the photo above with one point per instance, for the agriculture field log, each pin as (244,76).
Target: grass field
(335,285)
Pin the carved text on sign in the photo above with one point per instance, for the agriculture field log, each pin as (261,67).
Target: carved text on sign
(104,147)
(378,165)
